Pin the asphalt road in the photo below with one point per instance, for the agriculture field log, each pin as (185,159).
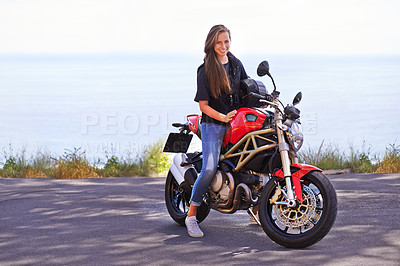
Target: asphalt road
(123,221)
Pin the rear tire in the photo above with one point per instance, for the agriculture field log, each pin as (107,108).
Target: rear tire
(177,201)
(306,224)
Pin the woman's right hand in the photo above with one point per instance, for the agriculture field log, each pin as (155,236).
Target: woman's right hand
(228,117)
(211,112)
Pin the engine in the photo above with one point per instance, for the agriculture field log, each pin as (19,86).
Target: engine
(219,188)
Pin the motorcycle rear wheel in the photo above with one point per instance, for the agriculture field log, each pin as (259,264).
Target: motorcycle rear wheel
(177,201)
(306,224)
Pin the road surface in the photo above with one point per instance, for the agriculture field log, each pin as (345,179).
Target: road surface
(124,221)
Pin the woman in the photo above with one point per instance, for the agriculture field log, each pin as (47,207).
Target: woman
(218,95)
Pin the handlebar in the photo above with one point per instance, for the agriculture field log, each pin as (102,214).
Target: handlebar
(178,125)
(183,128)
(265,99)
(256,95)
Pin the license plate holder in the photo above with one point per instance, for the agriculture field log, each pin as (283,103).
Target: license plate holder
(178,142)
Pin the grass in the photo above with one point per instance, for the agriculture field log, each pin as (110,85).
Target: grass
(391,161)
(153,162)
(18,165)
(74,164)
(358,160)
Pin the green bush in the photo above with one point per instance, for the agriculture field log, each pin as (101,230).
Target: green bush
(14,164)
(360,161)
(155,161)
(10,167)
(112,167)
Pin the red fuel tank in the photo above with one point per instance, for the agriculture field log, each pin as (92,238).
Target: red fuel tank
(246,120)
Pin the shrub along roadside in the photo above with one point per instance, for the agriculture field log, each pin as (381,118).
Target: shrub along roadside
(153,162)
(391,161)
(359,161)
(17,165)
(74,164)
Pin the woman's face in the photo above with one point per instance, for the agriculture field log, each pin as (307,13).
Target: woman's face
(222,45)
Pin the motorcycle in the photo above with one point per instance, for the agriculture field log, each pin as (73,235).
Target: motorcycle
(258,167)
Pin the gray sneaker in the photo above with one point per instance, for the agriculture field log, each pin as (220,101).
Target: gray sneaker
(192,227)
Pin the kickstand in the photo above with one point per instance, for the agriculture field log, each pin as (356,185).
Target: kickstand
(250,212)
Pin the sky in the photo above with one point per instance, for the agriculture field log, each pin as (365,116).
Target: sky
(181,26)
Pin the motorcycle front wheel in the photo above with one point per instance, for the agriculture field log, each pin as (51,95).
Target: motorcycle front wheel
(305,224)
(177,201)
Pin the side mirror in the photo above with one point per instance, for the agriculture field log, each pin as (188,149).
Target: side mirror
(297,98)
(263,69)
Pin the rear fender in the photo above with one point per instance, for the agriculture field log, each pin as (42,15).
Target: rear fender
(298,171)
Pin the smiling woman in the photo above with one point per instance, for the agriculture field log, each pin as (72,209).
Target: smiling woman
(218,95)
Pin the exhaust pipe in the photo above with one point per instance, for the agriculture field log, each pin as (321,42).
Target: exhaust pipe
(248,196)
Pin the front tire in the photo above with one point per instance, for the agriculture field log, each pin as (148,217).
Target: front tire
(309,221)
(177,201)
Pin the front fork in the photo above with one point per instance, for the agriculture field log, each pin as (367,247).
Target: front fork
(284,152)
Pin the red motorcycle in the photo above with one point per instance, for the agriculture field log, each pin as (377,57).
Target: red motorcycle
(258,167)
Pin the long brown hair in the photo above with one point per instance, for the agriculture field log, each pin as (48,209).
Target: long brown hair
(215,71)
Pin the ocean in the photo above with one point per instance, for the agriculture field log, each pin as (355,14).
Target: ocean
(117,104)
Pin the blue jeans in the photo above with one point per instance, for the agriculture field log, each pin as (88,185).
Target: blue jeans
(212,137)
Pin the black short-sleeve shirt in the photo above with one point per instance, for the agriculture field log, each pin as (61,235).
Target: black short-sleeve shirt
(223,104)
(226,102)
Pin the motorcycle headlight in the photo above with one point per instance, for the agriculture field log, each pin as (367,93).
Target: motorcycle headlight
(295,136)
